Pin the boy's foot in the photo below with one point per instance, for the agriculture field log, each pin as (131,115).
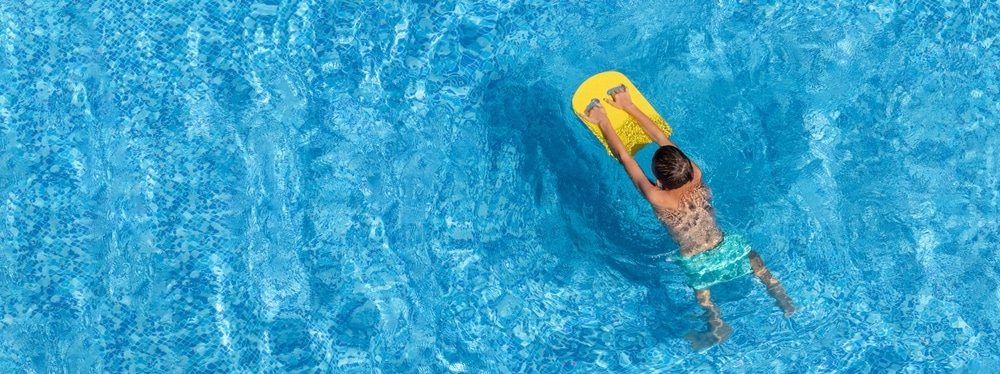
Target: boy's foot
(703,339)
(788,308)
(781,299)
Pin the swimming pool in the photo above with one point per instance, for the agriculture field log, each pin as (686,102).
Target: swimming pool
(374,186)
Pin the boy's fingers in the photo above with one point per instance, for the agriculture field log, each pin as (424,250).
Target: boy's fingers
(621,89)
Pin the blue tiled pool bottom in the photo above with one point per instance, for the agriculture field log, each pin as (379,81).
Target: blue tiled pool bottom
(392,186)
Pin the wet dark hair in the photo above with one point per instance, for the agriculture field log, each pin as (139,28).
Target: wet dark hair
(672,167)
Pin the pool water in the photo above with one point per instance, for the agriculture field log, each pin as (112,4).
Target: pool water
(374,186)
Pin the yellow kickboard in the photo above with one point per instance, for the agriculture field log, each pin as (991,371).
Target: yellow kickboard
(626,127)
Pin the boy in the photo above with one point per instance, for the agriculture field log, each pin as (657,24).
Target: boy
(681,201)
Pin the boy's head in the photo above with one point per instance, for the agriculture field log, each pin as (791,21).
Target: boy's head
(671,167)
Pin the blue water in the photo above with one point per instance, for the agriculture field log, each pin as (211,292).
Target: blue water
(371,186)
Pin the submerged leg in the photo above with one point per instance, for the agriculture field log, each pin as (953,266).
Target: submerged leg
(774,288)
(718,331)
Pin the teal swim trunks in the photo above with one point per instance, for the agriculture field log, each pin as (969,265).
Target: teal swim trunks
(725,262)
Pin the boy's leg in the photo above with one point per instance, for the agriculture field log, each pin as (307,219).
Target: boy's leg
(705,300)
(718,331)
(774,288)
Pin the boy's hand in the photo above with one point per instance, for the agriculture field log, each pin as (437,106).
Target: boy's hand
(620,98)
(597,114)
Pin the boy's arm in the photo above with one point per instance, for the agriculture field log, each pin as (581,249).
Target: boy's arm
(621,99)
(599,116)
(648,126)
